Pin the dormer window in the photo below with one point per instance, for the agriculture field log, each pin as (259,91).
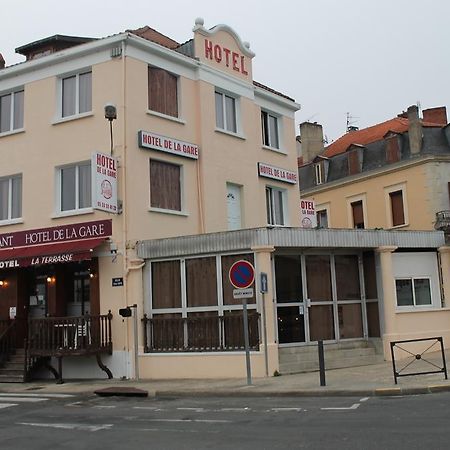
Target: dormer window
(318,170)
(392,147)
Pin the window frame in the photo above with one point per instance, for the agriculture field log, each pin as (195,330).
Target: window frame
(326,211)
(77,112)
(181,211)
(59,186)
(237,112)
(388,204)
(318,173)
(10,219)
(269,192)
(12,110)
(155,112)
(413,291)
(265,115)
(350,201)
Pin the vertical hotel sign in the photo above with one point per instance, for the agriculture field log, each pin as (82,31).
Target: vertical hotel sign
(104,182)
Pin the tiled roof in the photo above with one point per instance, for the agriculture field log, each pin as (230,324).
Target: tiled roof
(266,88)
(155,36)
(370,134)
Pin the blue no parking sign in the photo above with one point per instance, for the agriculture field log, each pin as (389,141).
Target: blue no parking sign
(241,274)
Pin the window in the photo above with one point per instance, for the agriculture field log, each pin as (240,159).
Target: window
(10,198)
(275,206)
(398,214)
(75,187)
(165,185)
(269,125)
(162,92)
(11,111)
(413,291)
(318,173)
(76,94)
(226,112)
(357,214)
(322,218)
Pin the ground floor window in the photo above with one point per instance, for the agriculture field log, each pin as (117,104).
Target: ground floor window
(413,291)
(192,307)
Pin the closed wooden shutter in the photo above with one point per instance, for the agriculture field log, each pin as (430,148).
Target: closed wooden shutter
(358,214)
(398,215)
(392,149)
(165,187)
(166,285)
(201,282)
(162,91)
(354,165)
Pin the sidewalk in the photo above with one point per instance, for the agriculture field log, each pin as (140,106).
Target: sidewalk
(355,381)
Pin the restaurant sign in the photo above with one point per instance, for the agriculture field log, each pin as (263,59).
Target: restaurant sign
(104,182)
(277,173)
(166,144)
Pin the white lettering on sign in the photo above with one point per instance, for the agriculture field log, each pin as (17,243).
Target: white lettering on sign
(167,145)
(9,264)
(277,173)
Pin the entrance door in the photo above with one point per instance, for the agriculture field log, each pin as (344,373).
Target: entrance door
(234,206)
(80,303)
(38,297)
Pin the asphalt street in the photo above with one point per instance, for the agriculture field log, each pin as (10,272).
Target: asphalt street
(34,421)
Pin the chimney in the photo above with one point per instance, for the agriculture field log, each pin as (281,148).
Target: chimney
(2,62)
(435,115)
(414,130)
(311,136)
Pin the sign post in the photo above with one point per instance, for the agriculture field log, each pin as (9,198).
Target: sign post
(242,276)
(264,289)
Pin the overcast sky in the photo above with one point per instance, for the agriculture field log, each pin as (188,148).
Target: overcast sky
(371,59)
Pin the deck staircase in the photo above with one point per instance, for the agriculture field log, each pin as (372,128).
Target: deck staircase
(337,355)
(13,370)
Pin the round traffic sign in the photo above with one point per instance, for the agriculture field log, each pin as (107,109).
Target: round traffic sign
(241,274)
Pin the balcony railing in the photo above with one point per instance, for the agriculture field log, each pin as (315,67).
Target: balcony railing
(64,336)
(442,221)
(202,333)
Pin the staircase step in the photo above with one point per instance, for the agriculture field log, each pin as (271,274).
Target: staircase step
(11,380)
(8,371)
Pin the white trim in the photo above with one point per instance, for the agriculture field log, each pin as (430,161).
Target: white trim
(414,306)
(11,132)
(72,212)
(275,102)
(59,120)
(276,150)
(167,117)
(6,222)
(168,211)
(230,133)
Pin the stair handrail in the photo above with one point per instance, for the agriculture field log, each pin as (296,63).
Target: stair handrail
(8,342)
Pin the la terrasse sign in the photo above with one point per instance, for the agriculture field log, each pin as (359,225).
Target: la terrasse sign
(167,144)
(277,173)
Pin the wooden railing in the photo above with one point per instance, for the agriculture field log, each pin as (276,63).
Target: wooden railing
(8,340)
(61,336)
(203,333)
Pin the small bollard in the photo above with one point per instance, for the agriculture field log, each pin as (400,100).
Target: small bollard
(321,363)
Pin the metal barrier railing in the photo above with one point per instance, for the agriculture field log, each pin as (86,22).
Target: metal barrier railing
(415,357)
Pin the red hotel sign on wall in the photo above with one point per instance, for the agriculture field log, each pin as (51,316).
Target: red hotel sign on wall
(167,144)
(277,173)
(63,233)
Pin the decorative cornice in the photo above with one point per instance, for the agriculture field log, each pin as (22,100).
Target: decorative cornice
(244,46)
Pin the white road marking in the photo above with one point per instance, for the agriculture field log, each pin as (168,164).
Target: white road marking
(23,399)
(105,406)
(235,409)
(364,399)
(286,409)
(178,430)
(354,406)
(190,420)
(68,426)
(20,394)
(151,408)
(7,405)
(192,409)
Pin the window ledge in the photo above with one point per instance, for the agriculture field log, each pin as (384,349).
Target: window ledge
(399,226)
(274,149)
(5,222)
(418,309)
(230,133)
(169,211)
(276,226)
(70,118)
(73,212)
(166,116)
(11,132)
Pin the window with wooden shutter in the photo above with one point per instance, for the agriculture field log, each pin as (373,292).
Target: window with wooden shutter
(392,149)
(162,91)
(165,185)
(358,214)
(354,165)
(398,213)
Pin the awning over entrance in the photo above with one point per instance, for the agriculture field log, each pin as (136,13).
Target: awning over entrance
(60,252)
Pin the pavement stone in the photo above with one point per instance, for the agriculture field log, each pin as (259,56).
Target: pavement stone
(372,380)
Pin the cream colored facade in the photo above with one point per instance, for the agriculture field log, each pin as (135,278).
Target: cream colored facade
(119,66)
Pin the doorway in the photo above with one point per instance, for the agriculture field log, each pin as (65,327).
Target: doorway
(321,297)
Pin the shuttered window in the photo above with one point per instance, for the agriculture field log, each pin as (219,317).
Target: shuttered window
(166,285)
(201,282)
(398,214)
(162,91)
(358,214)
(165,185)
